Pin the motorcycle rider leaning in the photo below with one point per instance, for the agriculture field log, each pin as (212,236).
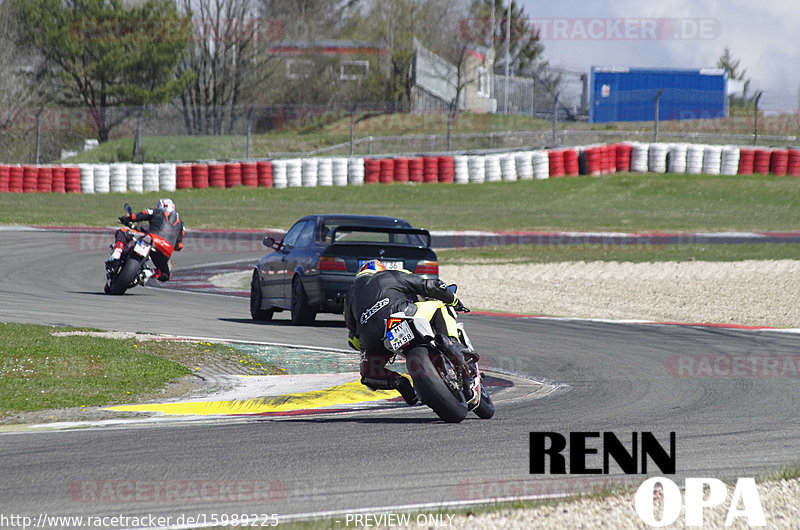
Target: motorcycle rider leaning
(166,231)
(377,293)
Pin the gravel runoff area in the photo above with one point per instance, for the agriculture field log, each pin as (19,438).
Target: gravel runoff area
(756,293)
(750,293)
(780,501)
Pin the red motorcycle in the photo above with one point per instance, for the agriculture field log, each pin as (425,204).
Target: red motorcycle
(129,270)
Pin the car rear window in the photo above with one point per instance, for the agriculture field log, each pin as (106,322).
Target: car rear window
(357,236)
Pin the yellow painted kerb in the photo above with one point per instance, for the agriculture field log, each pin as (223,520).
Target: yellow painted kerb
(346,394)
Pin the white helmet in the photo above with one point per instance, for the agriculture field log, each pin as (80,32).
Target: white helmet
(166,204)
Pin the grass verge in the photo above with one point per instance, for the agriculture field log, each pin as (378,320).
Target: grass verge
(628,253)
(41,371)
(625,202)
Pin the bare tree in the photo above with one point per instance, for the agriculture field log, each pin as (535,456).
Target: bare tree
(20,96)
(395,24)
(308,20)
(229,56)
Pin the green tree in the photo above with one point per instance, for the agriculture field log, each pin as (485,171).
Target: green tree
(110,55)
(525,50)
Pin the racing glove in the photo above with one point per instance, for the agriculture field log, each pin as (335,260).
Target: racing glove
(458,306)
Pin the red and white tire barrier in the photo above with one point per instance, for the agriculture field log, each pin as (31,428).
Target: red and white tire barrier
(356,171)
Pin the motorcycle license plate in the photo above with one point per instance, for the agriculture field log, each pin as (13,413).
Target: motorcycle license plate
(142,248)
(400,335)
(391,265)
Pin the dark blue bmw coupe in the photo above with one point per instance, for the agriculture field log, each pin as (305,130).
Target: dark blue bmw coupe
(313,266)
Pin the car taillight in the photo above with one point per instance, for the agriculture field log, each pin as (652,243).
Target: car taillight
(328,263)
(427,267)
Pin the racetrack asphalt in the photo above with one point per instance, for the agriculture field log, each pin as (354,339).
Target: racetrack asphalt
(615,377)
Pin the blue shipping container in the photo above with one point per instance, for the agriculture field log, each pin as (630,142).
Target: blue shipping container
(628,94)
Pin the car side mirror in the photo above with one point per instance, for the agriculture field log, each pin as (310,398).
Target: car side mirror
(270,242)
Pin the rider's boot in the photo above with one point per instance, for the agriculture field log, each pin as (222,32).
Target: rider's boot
(403,385)
(395,382)
(116,253)
(145,275)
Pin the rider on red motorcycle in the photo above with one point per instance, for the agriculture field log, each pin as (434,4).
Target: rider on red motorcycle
(377,293)
(165,229)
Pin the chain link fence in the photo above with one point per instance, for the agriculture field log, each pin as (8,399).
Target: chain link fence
(536,96)
(269,131)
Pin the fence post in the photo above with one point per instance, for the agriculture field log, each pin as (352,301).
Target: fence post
(555,120)
(38,133)
(508,56)
(249,131)
(137,139)
(655,118)
(352,129)
(755,120)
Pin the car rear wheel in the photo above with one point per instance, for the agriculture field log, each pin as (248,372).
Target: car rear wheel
(256,297)
(302,314)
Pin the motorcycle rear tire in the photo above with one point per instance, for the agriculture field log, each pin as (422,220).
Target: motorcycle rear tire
(431,388)
(130,270)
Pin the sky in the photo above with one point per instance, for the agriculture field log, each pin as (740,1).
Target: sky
(763,34)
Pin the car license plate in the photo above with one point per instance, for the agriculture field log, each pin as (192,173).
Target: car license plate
(391,265)
(400,335)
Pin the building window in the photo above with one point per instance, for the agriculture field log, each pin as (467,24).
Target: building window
(353,70)
(299,68)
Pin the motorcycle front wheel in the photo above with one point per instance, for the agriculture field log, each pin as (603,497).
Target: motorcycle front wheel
(429,384)
(129,271)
